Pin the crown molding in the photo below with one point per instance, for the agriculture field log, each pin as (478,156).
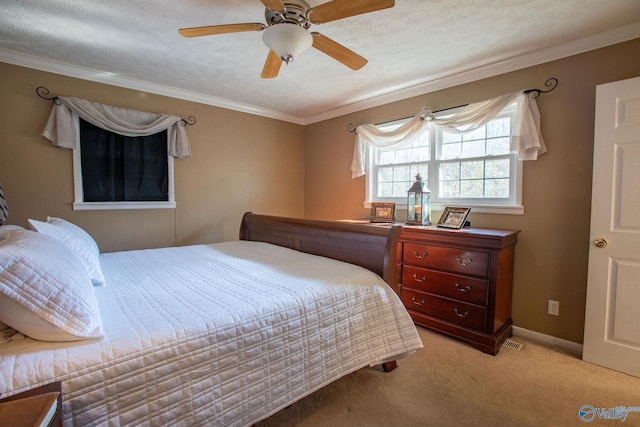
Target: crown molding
(618,35)
(98,76)
(398,93)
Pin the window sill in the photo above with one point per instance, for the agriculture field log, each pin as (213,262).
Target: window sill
(104,206)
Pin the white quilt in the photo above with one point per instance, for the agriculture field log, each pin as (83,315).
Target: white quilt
(224,334)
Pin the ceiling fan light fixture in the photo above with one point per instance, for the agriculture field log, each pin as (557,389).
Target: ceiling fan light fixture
(287,40)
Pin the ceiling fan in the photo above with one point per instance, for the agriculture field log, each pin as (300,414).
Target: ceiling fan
(286,32)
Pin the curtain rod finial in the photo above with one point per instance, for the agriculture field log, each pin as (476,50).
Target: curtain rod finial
(191,120)
(551,83)
(42,92)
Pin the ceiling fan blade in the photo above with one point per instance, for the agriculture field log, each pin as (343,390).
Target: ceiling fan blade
(275,5)
(338,52)
(339,9)
(271,66)
(220,29)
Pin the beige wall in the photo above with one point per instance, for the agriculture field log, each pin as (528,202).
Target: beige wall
(552,250)
(240,162)
(243,162)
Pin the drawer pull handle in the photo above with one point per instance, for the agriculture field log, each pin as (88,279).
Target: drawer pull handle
(424,254)
(415,277)
(463,315)
(416,302)
(465,263)
(461,289)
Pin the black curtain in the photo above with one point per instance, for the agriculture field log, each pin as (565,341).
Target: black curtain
(122,168)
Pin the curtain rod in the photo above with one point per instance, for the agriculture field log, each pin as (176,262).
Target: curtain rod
(42,92)
(551,83)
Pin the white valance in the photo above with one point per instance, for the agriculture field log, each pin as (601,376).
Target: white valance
(61,126)
(526,138)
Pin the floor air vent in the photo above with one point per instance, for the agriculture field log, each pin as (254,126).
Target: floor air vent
(512,344)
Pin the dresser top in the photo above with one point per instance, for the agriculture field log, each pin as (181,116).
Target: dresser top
(468,236)
(432,234)
(466,230)
(495,232)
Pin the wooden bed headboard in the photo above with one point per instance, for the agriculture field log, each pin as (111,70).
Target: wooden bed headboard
(371,247)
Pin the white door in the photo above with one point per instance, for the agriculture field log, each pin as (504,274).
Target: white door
(612,322)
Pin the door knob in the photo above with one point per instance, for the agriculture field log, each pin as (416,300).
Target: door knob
(600,243)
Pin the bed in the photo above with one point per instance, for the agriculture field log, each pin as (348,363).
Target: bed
(224,334)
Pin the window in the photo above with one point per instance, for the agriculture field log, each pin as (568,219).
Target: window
(474,170)
(113,171)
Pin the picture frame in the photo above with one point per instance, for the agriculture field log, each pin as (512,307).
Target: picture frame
(453,217)
(382,212)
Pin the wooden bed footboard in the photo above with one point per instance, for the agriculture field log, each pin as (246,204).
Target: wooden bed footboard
(371,247)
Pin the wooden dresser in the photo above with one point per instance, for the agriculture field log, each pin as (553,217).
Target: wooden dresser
(459,282)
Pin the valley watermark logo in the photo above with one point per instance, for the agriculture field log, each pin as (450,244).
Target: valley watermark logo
(589,413)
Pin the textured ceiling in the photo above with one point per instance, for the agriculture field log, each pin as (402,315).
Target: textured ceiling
(135,43)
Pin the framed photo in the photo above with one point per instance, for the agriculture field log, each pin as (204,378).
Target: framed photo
(453,217)
(383,212)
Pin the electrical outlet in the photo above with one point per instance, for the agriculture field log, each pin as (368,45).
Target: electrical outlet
(554,307)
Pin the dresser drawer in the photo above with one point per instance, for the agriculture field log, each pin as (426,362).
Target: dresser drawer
(468,315)
(455,260)
(463,288)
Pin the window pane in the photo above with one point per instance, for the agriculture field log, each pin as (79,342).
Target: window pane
(497,168)
(450,171)
(419,151)
(385,189)
(403,156)
(448,138)
(451,151)
(497,188)
(385,174)
(472,170)
(386,157)
(422,169)
(421,154)
(476,134)
(472,188)
(499,127)
(498,146)
(449,189)
(402,173)
(400,189)
(473,149)
(423,141)
(394,181)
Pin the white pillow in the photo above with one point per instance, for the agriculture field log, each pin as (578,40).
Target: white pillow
(78,240)
(45,291)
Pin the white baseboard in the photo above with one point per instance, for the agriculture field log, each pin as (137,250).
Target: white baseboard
(570,346)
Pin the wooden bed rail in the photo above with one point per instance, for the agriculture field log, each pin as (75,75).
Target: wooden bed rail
(369,246)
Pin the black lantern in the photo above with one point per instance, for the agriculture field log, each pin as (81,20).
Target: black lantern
(418,203)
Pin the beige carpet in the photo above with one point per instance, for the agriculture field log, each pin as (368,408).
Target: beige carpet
(448,383)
